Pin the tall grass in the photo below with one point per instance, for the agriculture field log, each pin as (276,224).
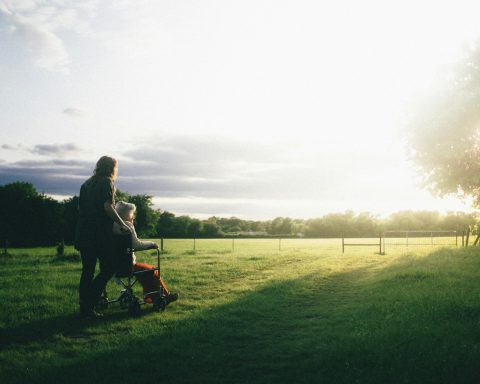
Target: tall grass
(304,314)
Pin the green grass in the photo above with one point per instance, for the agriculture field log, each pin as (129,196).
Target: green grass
(304,314)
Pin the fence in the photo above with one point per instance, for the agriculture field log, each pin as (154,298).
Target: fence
(405,239)
(389,239)
(408,239)
(363,243)
(226,245)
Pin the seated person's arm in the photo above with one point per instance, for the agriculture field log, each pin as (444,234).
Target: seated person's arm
(138,244)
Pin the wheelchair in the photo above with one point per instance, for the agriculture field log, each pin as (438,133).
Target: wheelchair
(128,278)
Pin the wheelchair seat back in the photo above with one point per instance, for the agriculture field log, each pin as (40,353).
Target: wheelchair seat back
(124,255)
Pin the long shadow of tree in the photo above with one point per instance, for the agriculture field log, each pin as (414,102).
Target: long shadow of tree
(408,323)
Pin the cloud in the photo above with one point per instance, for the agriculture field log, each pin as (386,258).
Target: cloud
(59,150)
(194,161)
(9,147)
(48,48)
(56,164)
(179,166)
(38,25)
(216,175)
(219,167)
(75,112)
(216,167)
(55,149)
(62,177)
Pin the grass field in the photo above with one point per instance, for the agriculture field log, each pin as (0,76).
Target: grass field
(295,312)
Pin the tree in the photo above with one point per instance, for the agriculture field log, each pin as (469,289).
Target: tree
(366,224)
(29,218)
(287,227)
(445,130)
(275,226)
(194,228)
(180,225)
(69,218)
(146,217)
(458,221)
(411,220)
(211,228)
(165,224)
(122,196)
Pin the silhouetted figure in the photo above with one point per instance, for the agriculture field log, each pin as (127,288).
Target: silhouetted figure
(94,237)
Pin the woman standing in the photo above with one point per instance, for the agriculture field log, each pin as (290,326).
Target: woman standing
(94,235)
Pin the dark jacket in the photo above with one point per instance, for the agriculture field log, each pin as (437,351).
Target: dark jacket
(94,227)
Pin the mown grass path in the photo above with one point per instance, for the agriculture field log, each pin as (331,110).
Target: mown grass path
(301,315)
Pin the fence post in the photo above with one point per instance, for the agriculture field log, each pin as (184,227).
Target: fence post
(380,243)
(467,237)
(61,249)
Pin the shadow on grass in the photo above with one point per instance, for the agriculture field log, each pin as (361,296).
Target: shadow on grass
(68,325)
(352,327)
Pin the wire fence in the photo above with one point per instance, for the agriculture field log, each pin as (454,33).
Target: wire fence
(245,244)
(415,239)
(391,241)
(387,241)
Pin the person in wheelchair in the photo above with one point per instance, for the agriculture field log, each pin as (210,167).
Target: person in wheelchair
(149,281)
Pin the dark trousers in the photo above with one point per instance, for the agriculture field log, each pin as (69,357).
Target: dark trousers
(91,288)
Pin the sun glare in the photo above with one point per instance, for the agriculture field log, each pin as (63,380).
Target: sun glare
(315,93)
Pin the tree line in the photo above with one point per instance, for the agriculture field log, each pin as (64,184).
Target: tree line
(30,218)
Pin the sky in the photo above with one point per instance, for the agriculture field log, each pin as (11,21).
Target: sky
(254,109)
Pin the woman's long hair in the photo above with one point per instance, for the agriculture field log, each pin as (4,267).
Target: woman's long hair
(106,167)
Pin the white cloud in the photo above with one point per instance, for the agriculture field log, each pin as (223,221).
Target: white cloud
(8,147)
(48,48)
(75,112)
(202,177)
(39,24)
(55,149)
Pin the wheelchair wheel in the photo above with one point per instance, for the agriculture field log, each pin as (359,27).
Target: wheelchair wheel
(102,303)
(124,300)
(134,308)
(159,304)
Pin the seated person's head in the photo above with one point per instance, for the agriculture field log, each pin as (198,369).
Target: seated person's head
(126,210)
